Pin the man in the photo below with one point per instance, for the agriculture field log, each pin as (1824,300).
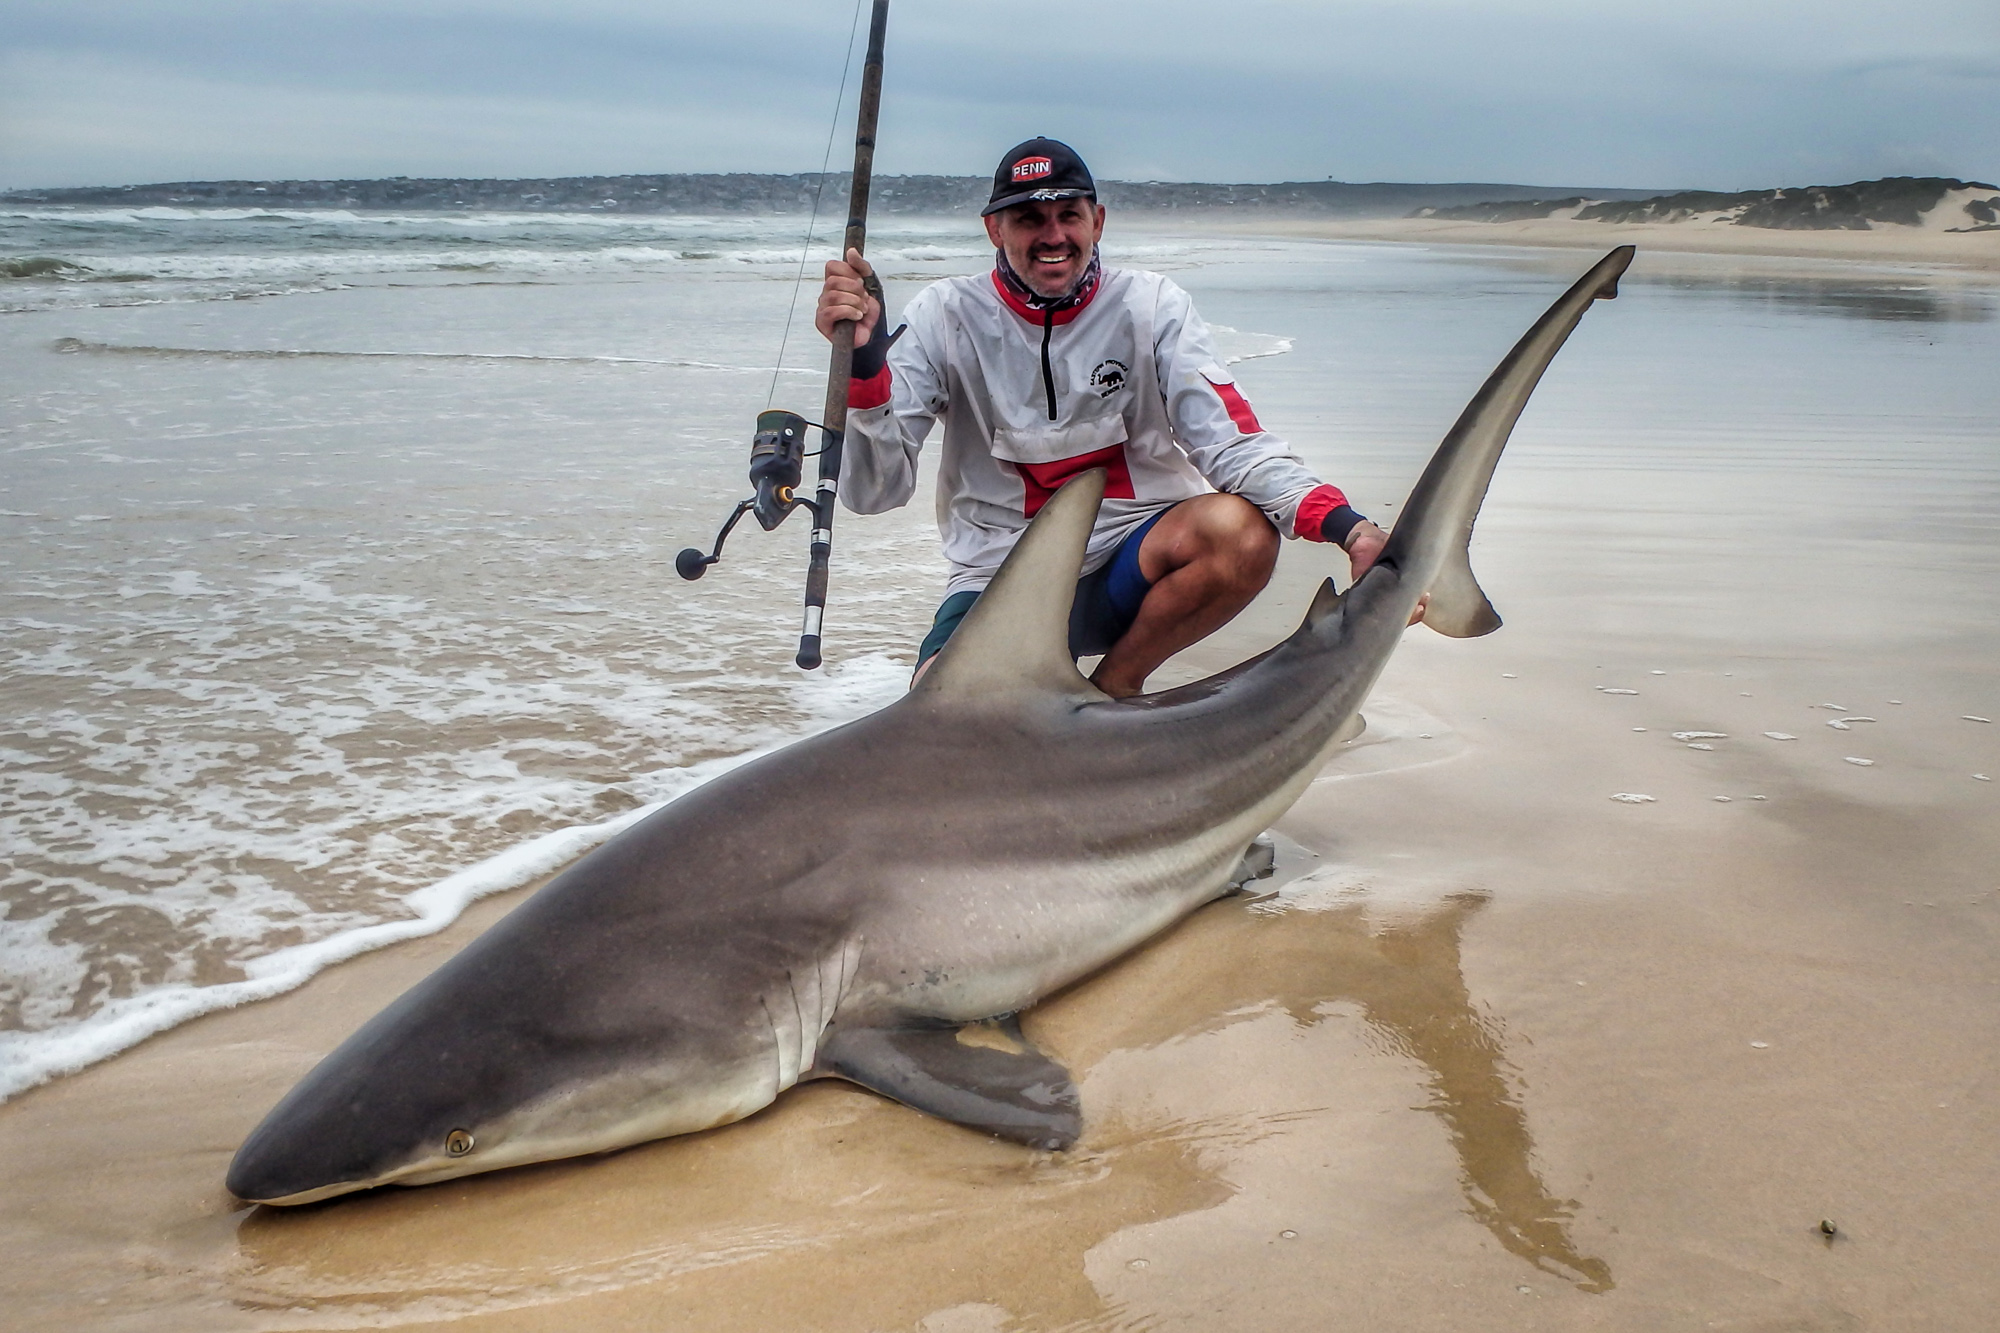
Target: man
(1049,366)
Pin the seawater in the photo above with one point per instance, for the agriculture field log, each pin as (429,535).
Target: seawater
(337,573)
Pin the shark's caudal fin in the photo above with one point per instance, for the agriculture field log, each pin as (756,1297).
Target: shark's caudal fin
(1432,535)
(1017,634)
(1458,605)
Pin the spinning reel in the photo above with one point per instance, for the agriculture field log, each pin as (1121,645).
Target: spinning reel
(777,467)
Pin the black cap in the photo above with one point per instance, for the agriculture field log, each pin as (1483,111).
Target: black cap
(1037,170)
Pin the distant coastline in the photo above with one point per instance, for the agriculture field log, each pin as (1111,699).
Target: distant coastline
(765,193)
(1939,203)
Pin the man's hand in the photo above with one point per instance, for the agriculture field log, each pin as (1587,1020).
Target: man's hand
(843,297)
(1364,543)
(1364,547)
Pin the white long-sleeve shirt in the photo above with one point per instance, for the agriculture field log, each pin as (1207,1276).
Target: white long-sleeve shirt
(1133,384)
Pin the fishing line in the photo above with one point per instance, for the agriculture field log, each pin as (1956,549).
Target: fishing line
(826,160)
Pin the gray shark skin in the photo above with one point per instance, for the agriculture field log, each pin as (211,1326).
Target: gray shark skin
(999,832)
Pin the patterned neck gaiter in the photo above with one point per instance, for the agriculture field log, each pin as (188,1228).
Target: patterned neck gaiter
(1086,286)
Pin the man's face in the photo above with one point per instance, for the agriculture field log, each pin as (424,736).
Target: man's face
(1049,243)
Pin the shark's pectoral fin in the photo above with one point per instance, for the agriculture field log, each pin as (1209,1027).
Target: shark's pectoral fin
(1350,729)
(1458,606)
(1017,1094)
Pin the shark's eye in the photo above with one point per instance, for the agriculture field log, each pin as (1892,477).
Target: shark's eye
(458,1143)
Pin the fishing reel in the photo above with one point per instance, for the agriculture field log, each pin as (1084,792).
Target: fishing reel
(777,469)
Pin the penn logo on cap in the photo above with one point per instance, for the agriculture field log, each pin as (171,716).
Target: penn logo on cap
(1033,169)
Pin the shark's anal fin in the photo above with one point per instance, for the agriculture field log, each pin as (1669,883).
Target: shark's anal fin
(1458,605)
(1015,1093)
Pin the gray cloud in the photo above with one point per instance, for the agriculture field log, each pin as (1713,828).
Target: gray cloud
(1561,92)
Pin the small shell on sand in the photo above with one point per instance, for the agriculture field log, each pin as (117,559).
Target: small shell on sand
(1606,689)
(1781,735)
(1971,718)
(1631,797)
(1981,777)
(1839,725)
(1725,799)
(1864,763)
(1699,745)
(1701,735)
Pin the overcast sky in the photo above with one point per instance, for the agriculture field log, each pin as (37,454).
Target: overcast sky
(1725,94)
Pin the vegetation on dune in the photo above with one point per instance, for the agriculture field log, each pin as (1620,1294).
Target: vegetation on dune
(1893,200)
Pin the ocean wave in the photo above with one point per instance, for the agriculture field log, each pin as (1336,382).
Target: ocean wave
(39,266)
(52,1044)
(78,346)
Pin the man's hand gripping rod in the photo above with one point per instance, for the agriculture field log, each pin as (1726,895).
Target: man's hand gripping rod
(778,452)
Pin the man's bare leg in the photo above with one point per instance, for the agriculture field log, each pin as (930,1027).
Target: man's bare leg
(1206,559)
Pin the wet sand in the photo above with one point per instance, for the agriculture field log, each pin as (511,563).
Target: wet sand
(1502,1053)
(1971,252)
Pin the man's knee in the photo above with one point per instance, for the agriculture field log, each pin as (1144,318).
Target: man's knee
(1242,538)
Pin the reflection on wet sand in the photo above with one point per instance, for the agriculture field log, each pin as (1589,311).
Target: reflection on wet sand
(1902,299)
(1405,978)
(1421,1004)
(817,1212)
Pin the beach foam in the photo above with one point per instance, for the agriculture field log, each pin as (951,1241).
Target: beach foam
(33,1056)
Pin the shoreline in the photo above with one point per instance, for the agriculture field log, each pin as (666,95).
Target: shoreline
(1973,255)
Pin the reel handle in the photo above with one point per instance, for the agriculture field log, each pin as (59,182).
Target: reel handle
(691,564)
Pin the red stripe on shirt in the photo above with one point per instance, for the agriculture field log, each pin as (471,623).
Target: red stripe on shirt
(1042,480)
(1239,409)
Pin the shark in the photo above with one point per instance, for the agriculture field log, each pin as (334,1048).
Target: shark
(999,832)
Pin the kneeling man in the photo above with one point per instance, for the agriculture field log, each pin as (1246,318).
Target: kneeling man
(1051,365)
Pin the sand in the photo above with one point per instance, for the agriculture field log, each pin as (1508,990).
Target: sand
(1968,253)
(1501,1053)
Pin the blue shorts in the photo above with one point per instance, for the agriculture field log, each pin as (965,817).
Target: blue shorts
(1107,602)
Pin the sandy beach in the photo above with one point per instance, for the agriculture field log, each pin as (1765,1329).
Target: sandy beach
(1973,253)
(1500,1051)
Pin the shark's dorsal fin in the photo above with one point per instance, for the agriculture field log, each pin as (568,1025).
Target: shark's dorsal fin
(1016,636)
(998,1082)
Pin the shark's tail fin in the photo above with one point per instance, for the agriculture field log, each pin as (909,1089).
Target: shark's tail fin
(1432,535)
(1458,606)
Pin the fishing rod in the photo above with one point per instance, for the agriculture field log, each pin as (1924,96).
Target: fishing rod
(778,449)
